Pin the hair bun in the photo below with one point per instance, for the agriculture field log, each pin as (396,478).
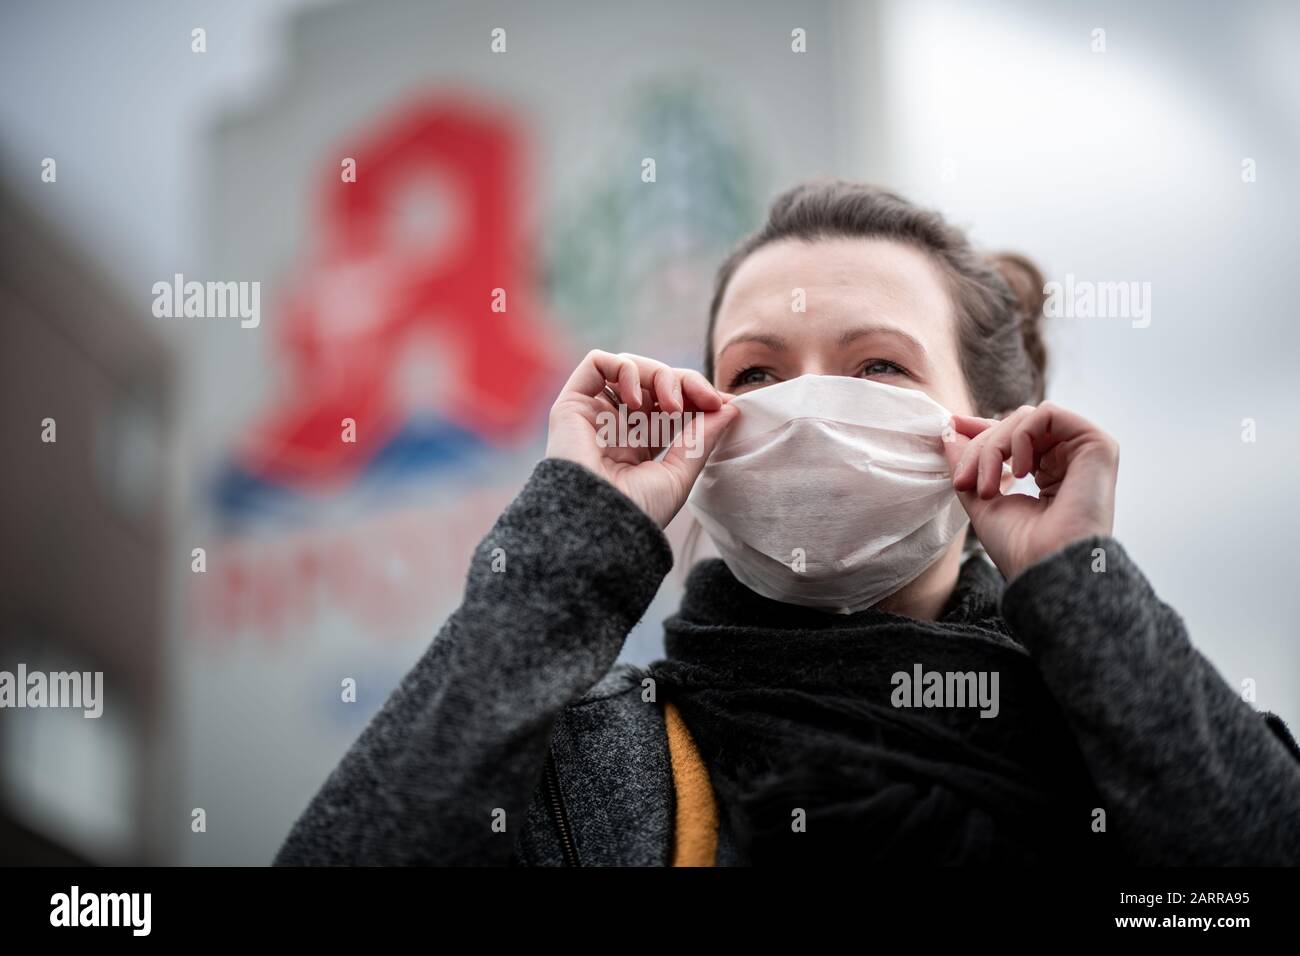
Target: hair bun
(1027,285)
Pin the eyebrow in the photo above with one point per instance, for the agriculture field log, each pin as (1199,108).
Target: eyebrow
(848,337)
(852,335)
(774,342)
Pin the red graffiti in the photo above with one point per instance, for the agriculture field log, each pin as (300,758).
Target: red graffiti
(408,256)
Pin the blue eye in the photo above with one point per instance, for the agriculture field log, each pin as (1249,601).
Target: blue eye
(882,367)
(748,376)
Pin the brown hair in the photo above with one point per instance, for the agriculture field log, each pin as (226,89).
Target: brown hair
(998,298)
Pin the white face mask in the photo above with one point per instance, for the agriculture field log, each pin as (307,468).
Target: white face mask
(829,491)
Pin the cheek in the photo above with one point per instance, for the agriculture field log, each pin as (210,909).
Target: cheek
(960,404)
(950,390)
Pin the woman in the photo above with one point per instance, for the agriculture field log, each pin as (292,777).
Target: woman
(895,658)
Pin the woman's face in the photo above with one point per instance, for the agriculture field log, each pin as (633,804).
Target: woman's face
(875,308)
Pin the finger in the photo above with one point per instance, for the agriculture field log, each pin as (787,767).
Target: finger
(597,369)
(1048,489)
(988,480)
(697,440)
(970,426)
(659,378)
(590,375)
(1050,473)
(997,448)
(1050,425)
(966,475)
(1023,458)
(963,477)
(970,449)
(669,425)
(678,400)
(667,390)
(697,388)
(978,430)
(648,396)
(954,444)
(628,379)
(630,373)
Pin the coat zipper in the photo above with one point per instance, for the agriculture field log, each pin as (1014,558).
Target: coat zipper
(557,811)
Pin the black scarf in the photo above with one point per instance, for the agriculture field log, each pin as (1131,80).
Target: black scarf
(792,709)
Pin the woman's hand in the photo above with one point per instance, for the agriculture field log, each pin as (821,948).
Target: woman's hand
(1073,462)
(578,427)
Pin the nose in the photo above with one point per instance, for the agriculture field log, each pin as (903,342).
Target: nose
(814,365)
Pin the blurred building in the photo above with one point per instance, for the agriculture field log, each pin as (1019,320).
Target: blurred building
(83,582)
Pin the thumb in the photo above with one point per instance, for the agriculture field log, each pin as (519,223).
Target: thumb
(954,443)
(696,443)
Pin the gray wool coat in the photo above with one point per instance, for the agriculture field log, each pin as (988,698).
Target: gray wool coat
(518,739)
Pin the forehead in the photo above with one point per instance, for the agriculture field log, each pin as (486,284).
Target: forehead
(887,282)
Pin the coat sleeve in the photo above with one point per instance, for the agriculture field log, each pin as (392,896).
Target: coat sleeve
(1189,772)
(465,734)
